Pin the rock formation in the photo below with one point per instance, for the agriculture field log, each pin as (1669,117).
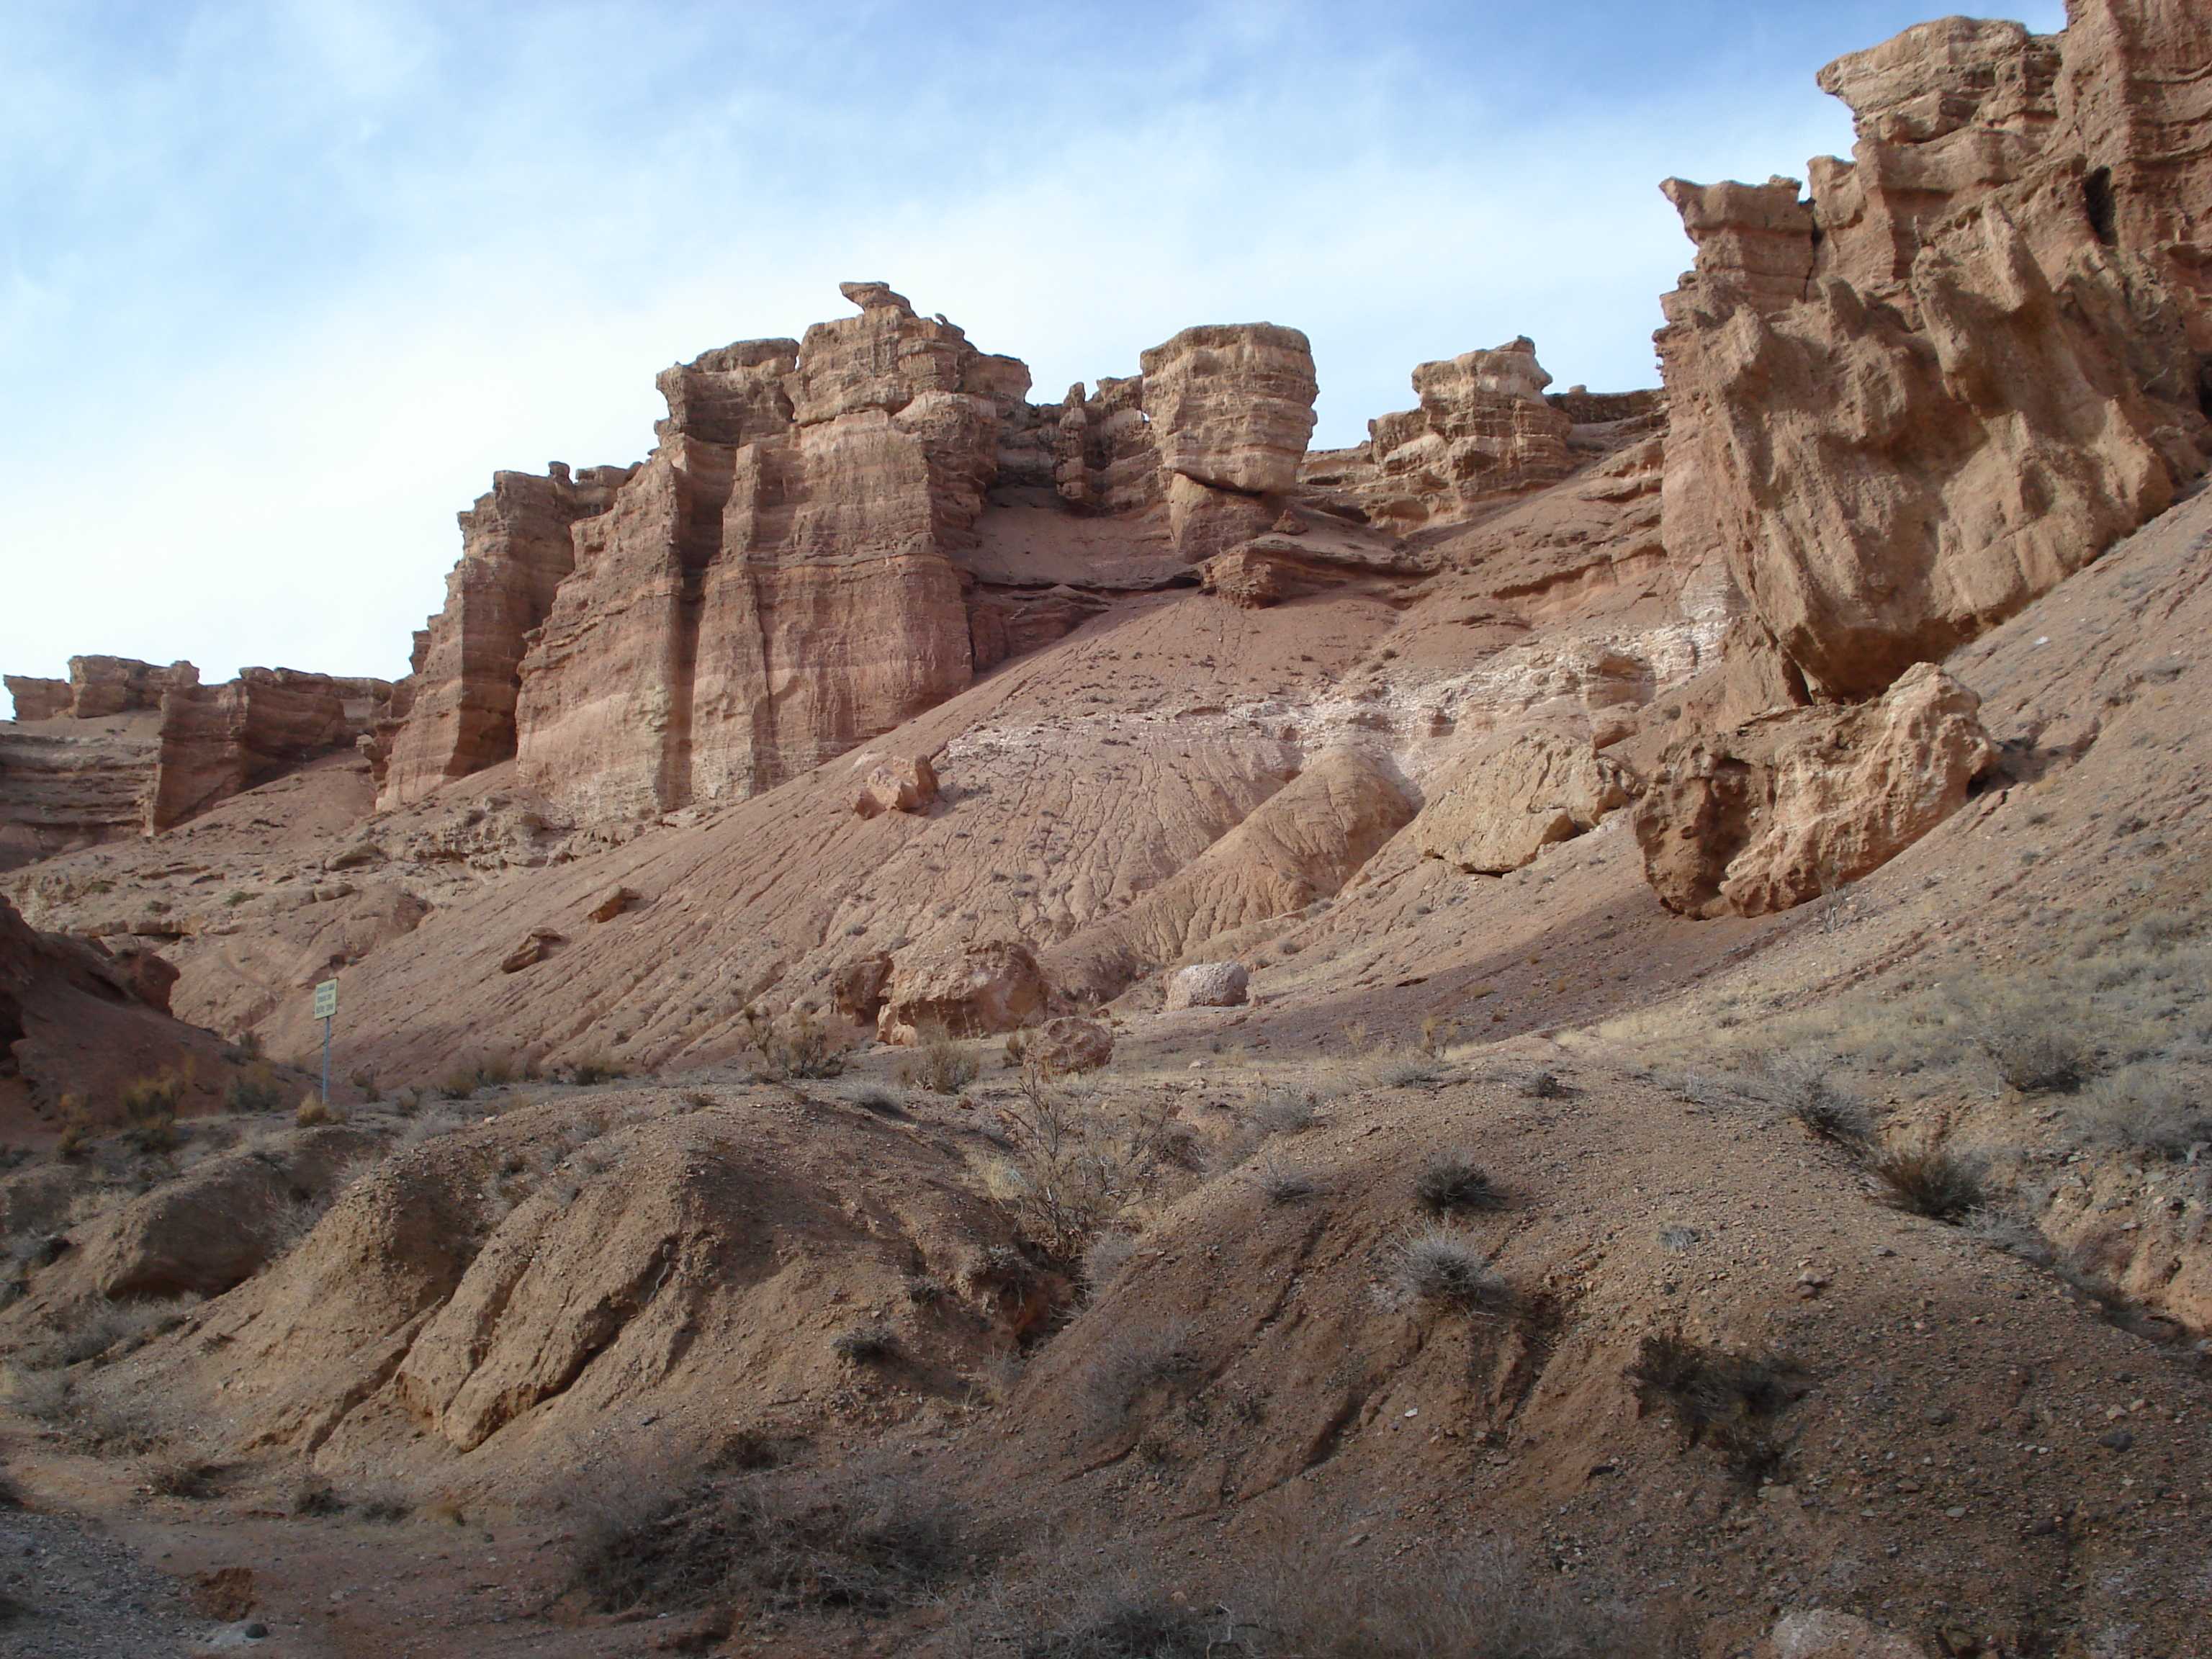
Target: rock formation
(1208,985)
(1905,405)
(219,739)
(1798,802)
(1231,408)
(994,986)
(1512,797)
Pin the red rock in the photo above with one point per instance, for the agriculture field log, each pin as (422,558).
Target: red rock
(898,785)
(971,990)
(219,739)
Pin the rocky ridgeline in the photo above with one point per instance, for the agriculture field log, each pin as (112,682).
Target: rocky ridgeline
(170,747)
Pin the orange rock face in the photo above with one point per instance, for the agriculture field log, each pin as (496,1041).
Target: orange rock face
(219,739)
(1907,405)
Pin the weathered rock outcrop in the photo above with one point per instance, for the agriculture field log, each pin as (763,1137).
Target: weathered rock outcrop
(1797,803)
(1230,407)
(456,711)
(1208,985)
(1905,406)
(219,739)
(1515,795)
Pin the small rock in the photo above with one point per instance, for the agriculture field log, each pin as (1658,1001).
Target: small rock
(613,903)
(2117,1439)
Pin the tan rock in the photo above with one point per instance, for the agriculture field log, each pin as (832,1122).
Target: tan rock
(217,741)
(1231,408)
(856,988)
(536,947)
(1068,1045)
(1903,408)
(905,785)
(1208,985)
(1515,795)
(1795,803)
(613,903)
(37,699)
(966,991)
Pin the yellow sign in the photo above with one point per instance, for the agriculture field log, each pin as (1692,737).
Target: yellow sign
(326,998)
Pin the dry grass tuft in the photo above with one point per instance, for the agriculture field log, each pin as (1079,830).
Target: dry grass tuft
(1930,1180)
(1455,1183)
(939,1064)
(798,1045)
(866,1345)
(1440,1269)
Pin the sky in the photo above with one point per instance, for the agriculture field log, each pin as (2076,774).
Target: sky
(283,284)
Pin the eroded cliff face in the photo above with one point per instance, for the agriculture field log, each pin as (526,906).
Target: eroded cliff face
(1970,359)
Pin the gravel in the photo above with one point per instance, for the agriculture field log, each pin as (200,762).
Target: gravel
(68,1590)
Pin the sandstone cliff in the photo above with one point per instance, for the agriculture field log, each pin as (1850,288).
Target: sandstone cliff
(1907,403)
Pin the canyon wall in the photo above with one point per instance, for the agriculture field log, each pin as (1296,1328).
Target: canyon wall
(1909,401)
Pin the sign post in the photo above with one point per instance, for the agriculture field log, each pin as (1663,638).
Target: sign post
(326,1007)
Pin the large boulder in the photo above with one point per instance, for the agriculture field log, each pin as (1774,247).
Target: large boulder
(970,990)
(1796,803)
(1208,984)
(1516,795)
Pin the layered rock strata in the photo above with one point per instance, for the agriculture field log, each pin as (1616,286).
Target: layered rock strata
(219,739)
(1906,403)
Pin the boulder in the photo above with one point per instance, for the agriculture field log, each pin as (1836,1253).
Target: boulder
(1208,984)
(1798,802)
(1231,408)
(897,785)
(612,903)
(1907,402)
(1068,1045)
(970,990)
(856,988)
(536,947)
(1514,796)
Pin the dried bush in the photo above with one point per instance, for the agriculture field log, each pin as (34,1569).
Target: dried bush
(1398,1068)
(866,1345)
(2036,1045)
(1541,1084)
(1804,1088)
(150,1109)
(1286,1184)
(76,1129)
(1127,1626)
(1074,1165)
(2158,1110)
(93,1328)
(937,1064)
(312,1112)
(1930,1180)
(874,1097)
(1725,1400)
(1455,1182)
(1108,1254)
(798,1045)
(1483,1603)
(1440,1269)
(869,1546)
(255,1088)
(1283,1111)
(595,1069)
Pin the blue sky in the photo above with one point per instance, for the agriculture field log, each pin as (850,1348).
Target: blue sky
(281,284)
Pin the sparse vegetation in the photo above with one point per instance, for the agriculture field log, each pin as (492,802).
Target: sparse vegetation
(2035,1046)
(1455,1183)
(150,1109)
(1136,1363)
(1541,1084)
(865,1545)
(1286,1184)
(178,1477)
(798,1045)
(1728,1402)
(1441,1270)
(937,1064)
(312,1112)
(1930,1180)
(596,1068)
(254,1088)
(2157,1109)
(874,1097)
(866,1345)
(1075,1164)
(1805,1089)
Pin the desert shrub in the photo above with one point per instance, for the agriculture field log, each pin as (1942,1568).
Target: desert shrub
(1728,1402)
(150,1109)
(76,1129)
(364,1079)
(1439,1269)
(1455,1182)
(2036,1045)
(313,1111)
(1137,1362)
(1399,1068)
(383,1507)
(800,1045)
(938,1063)
(1286,1184)
(1073,1166)
(1464,1603)
(1679,1238)
(94,1328)
(313,1494)
(596,1068)
(180,1477)
(255,1088)
(1541,1084)
(869,1546)
(1283,1111)
(1804,1089)
(865,1345)
(1930,1180)
(2155,1108)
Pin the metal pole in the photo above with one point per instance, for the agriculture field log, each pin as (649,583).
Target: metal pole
(326,1060)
